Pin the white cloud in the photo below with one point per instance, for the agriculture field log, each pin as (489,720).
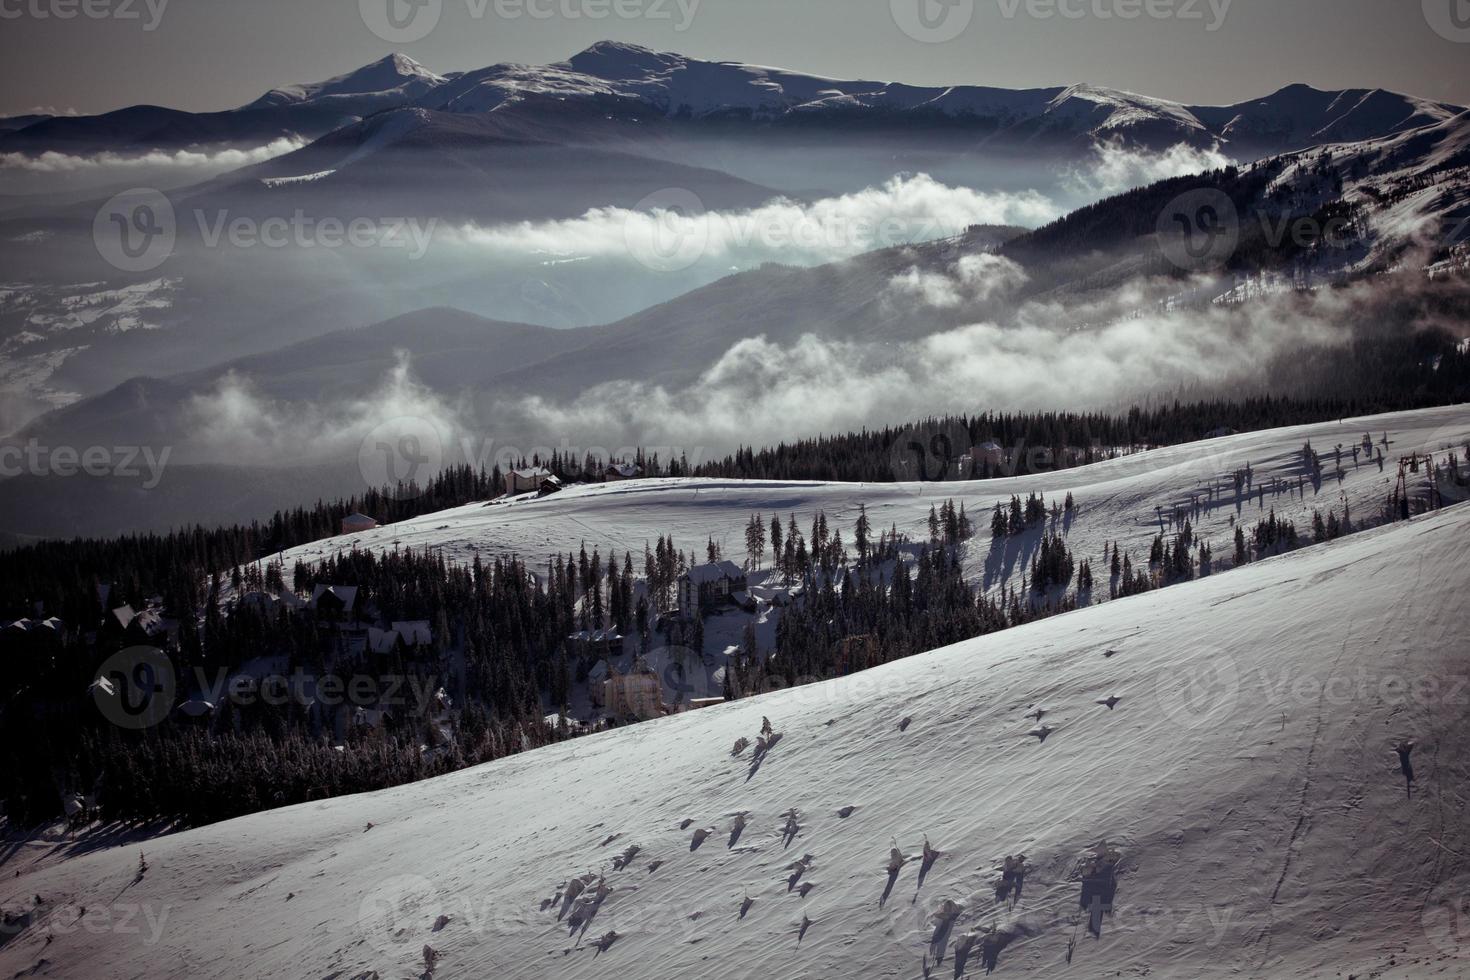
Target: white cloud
(909,208)
(192,162)
(1115,168)
(972,279)
(259,430)
(1038,360)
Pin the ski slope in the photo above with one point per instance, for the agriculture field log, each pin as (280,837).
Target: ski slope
(1116,502)
(1246,777)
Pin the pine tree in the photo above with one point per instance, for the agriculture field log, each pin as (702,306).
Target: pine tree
(755,540)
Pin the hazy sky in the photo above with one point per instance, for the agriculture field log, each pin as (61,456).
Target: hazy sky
(212,54)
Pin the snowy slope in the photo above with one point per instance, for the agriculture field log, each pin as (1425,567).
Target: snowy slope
(1116,501)
(1245,777)
(1417,184)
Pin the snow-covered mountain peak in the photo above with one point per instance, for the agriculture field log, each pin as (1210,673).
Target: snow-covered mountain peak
(618,60)
(394,74)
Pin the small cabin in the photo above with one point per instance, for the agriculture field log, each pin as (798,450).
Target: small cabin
(331,601)
(357,523)
(526,480)
(694,704)
(988,453)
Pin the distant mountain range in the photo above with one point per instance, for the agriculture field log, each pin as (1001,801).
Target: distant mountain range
(624,81)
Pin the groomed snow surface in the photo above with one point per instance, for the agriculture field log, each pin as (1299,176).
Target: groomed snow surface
(1246,777)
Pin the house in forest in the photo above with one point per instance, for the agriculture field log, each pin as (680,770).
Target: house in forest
(710,586)
(549,486)
(145,626)
(415,632)
(597,684)
(622,471)
(986,454)
(197,710)
(634,694)
(596,644)
(334,601)
(694,704)
(36,627)
(269,604)
(356,523)
(526,480)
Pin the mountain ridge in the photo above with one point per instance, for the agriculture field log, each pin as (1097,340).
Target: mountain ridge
(695,90)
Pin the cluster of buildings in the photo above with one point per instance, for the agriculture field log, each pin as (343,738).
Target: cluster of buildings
(539,480)
(336,607)
(123,623)
(637,691)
